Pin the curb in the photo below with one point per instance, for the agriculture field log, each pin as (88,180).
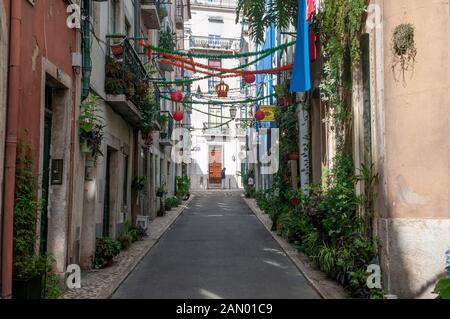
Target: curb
(137,261)
(325,287)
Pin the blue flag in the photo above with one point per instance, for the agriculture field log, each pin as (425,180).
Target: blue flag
(301,78)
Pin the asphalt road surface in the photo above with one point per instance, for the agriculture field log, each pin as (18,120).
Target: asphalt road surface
(216,249)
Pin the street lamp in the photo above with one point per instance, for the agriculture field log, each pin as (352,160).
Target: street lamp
(233,111)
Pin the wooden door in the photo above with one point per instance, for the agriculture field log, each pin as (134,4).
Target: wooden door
(215,164)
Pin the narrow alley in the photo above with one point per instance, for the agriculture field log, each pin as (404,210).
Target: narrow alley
(216,249)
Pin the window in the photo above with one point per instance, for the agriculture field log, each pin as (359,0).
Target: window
(213,81)
(215,116)
(214,40)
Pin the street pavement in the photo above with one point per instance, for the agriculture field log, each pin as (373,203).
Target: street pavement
(216,249)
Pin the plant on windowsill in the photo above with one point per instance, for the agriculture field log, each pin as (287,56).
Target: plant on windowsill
(33,275)
(163,120)
(91,127)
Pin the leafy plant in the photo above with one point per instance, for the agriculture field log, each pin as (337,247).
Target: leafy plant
(166,39)
(442,288)
(182,185)
(105,250)
(125,241)
(403,48)
(138,183)
(91,126)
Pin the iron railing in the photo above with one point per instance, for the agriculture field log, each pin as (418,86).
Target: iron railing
(216,128)
(217,43)
(230,4)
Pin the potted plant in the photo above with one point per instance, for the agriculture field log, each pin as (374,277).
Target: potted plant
(163,120)
(30,270)
(91,127)
(105,251)
(160,191)
(282,93)
(117,45)
(182,187)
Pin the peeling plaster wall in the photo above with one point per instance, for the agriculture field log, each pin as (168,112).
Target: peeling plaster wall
(414,211)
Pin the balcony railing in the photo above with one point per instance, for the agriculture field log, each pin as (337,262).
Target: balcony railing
(215,129)
(230,4)
(215,43)
(125,77)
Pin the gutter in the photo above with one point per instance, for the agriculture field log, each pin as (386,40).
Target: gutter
(12,123)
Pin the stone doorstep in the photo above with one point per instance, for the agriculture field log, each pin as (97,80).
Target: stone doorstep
(102,283)
(327,288)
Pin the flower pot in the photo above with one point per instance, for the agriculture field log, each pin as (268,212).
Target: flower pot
(86,148)
(293,156)
(294,202)
(117,50)
(30,288)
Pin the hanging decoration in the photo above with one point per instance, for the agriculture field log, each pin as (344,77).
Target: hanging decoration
(212,102)
(216,72)
(222,89)
(259,115)
(176,96)
(220,56)
(178,116)
(186,81)
(249,78)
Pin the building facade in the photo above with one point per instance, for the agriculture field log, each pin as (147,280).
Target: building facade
(218,140)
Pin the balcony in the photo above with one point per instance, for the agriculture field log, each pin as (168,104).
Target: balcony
(202,43)
(125,78)
(150,14)
(224,4)
(215,129)
(165,135)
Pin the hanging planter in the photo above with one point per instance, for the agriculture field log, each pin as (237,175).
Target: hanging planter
(178,116)
(260,115)
(86,148)
(404,49)
(176,96)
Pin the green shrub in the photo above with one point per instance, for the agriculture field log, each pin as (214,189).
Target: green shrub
(105,250)
(125,241)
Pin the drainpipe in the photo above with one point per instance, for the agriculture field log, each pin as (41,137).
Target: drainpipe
(86,45)
(11,145)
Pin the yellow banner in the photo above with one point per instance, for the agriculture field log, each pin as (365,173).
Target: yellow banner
(270,113)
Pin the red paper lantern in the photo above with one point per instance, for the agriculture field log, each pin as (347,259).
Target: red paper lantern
(176,96)
(249,78)
(260,115)
(178,116)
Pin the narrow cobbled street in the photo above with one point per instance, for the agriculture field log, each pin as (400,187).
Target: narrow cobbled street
(216,249)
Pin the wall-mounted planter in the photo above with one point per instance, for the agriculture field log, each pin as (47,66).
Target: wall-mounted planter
(293,156)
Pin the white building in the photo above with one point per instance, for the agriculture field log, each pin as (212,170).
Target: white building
(217,140)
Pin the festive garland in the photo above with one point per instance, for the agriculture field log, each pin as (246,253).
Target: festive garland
(149,47)
(243,66)
(236,72)
(191,65)
(165,97)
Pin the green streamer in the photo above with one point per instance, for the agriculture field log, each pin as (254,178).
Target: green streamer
(165,97)
(223,56)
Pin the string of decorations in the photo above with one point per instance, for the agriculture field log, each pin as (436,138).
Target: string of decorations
(177,97)
(149,48)
(186,81)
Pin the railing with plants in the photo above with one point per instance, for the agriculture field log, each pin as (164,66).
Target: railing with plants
(166,122)
(125,73)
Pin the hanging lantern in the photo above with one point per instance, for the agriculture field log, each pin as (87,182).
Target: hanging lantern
(249,78)
(176,96)
(233,111)
(178,116)
(222,89)
(259,115)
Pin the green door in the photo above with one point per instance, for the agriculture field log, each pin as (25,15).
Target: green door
(46,169)
(106,201)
